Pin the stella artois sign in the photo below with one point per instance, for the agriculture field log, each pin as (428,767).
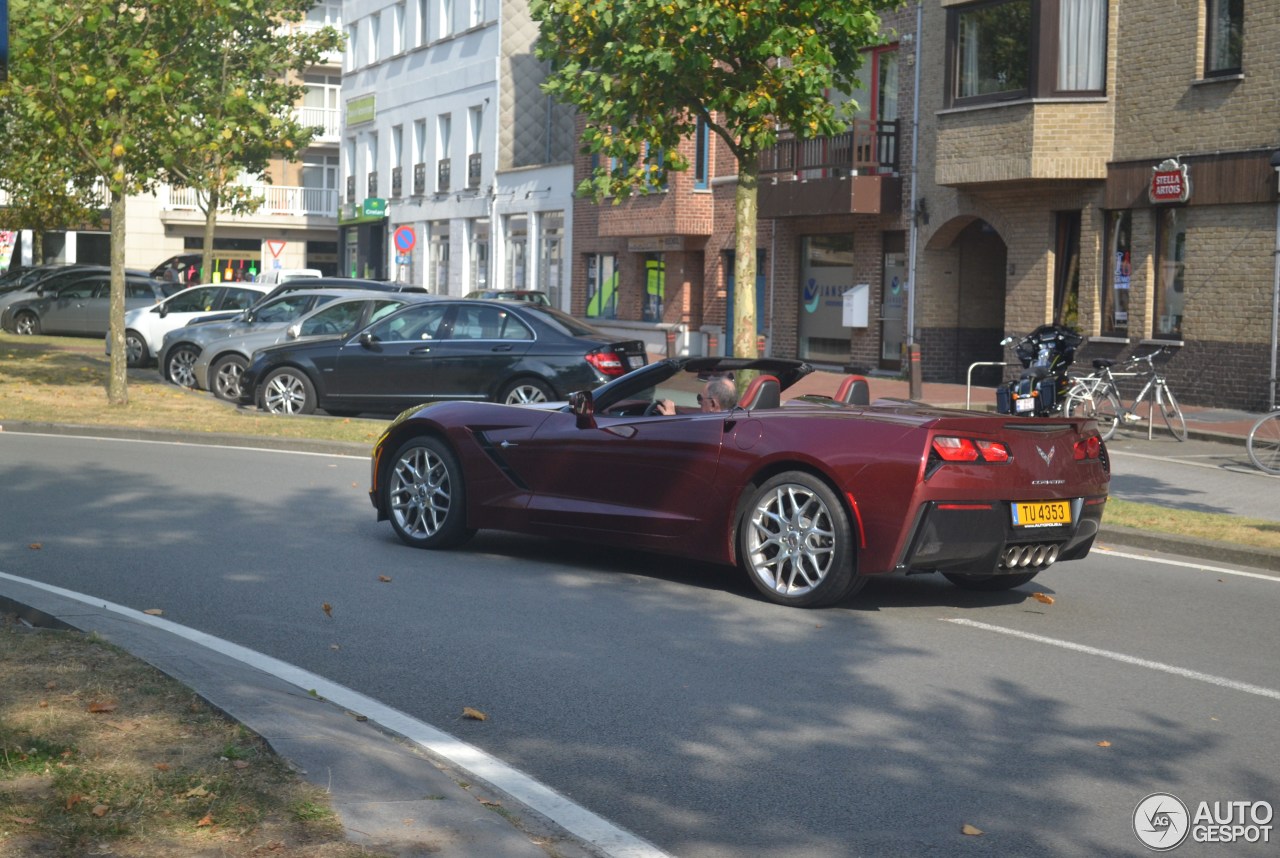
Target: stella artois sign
(1169,183)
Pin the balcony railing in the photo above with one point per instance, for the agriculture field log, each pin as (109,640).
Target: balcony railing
(276,200)
(473,170)
(866,148)
(328,120)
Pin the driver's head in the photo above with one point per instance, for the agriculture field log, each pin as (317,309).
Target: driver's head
(719,394)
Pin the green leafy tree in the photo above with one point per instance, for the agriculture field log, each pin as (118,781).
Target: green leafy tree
(99,80)
(644,72)
(40,193)
(245,94)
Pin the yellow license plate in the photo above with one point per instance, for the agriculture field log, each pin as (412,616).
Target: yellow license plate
(1041,513)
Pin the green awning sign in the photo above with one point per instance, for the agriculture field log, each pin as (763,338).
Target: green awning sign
(361,109)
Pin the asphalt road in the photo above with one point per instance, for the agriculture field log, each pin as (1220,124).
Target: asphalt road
(664,695)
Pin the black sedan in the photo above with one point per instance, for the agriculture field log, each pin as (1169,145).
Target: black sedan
(443,350)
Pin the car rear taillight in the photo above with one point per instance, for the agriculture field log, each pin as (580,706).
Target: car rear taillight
(1088,448)
(608,363)
(953,449)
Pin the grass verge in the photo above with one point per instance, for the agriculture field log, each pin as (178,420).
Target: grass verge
(101,754)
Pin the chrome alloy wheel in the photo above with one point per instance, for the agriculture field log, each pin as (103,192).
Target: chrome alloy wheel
(420,493)
(791,540)
(182,366)
(284,393)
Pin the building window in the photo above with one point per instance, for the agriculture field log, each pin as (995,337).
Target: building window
(1171,244)
(397,29)
(477,13)
(517,252)
(602,286)
(1115,281)
(438,268)
(424,22)
(1000,50)
(445,27)
(655,287)
(352,62)
(826,272)
(993,50)
(1224,37)
(702,156)
(551,254)
(375,37)
(479,253)
(444,168)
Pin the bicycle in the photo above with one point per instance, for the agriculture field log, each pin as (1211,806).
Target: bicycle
(1097,395)
(1264,443)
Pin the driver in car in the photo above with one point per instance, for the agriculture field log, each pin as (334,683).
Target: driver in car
(719,394)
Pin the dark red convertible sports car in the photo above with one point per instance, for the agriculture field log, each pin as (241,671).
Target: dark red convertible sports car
(811,496)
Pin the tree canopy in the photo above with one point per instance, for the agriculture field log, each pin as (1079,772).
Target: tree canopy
(643,73)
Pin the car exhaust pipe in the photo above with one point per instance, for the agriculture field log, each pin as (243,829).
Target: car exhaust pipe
(1023,556)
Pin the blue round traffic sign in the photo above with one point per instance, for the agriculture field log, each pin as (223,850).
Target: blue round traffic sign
(405,239)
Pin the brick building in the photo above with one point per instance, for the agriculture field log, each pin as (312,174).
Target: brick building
(1044,125)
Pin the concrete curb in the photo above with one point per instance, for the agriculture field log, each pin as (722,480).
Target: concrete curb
(1204,549)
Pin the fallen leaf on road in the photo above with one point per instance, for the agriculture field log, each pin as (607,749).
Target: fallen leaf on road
(384,579)
(155,612)
(970,830)
(1041,597)
(1104,744)
(474,714)
(35,546)
(327,608)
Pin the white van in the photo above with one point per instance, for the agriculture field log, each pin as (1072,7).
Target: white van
(283,275)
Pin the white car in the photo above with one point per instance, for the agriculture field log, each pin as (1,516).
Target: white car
(145,327)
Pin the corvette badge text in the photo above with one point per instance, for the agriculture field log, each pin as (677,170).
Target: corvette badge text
(1162,822)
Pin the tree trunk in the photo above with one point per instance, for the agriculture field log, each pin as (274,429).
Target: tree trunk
(210,221)
(746,206)
(117,380)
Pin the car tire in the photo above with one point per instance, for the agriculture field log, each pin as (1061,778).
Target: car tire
(796,543)
(525,391)
(424,494)
(136,353)
(180,365)
(989,583)
(224,377)
(287,391)
(26,324)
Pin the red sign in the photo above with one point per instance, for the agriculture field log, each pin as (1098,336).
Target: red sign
(276,247)
(1169,183)
(404,239)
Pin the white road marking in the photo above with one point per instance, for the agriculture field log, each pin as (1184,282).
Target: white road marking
(1111,552)
(204,446)
(613,841)
(1220,681)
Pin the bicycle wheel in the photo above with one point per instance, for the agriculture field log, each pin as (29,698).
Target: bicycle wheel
(1100,404)
(1171,413)
(1264,443)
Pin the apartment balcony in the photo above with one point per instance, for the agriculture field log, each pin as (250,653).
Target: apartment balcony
(855,172)
(1025,141)
(277,202)
(326,119)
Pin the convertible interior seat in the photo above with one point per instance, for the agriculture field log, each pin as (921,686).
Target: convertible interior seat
(764,391)
(854,390)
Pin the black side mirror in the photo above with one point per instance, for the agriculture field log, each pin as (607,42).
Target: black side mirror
(370,342)
(583,406)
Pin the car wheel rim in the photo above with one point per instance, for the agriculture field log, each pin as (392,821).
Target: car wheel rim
(420,493)
(182,369)
(228,380)
(526,394)
(284,394)
(25,326)
(133,349)
(791,543)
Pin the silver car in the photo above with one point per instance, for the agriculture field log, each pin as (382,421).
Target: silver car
(81,306)
(181,347)
(221,362)
(145,327)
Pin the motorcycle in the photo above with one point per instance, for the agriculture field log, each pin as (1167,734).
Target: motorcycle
(1045,354)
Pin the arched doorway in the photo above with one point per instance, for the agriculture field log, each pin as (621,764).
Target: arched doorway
(964,318)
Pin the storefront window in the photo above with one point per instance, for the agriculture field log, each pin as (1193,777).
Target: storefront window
(826,273)
(1115,286)
(602,286)
(438,268)
(517,252)
(479,254)
(655,287)
(1171,241)
(551,255)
